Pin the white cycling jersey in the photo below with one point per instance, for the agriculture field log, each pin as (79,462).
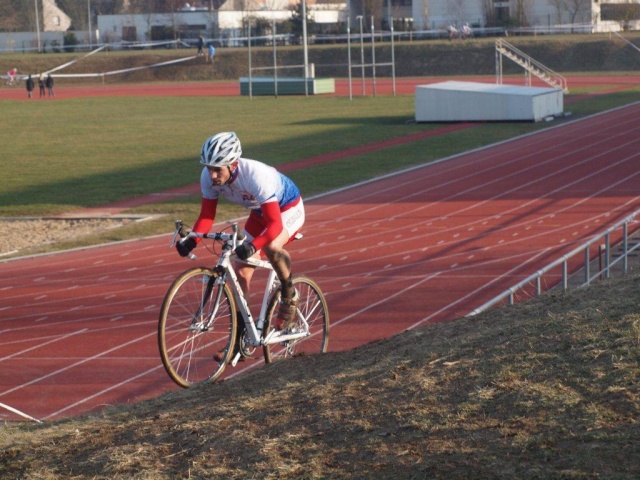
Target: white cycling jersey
(252,184)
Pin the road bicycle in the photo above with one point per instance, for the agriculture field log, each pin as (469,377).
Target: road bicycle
(205,310)
(10,81)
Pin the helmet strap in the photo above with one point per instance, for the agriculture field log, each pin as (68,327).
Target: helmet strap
(233,174)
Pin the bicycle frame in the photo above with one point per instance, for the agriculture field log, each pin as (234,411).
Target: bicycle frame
(226,273)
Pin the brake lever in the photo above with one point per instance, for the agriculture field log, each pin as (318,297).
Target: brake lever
(179,225)
(173,239)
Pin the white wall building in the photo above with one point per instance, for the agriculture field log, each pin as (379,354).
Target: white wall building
(224,24)
(55,20)
(436,14)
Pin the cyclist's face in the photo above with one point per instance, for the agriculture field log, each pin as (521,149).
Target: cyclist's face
(221,175)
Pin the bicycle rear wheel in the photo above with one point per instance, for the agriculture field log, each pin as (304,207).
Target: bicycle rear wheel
(197,320)
(312,316)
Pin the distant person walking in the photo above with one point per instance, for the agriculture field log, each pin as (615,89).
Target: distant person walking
(212,52)
(49,84)
(41,85)
(30,85)
(200,44)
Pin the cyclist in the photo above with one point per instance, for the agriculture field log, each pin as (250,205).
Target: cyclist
(12,75)
(466,31)
(277,212)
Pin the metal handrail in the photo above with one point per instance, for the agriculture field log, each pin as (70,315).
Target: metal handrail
(506,46)
(603,272)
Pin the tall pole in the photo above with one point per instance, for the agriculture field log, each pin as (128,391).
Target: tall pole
(275,58)
(89,14)
(305,46)
(393,58)
(359,17)
(38,26)
(250,67)
(373,57)
(349,46)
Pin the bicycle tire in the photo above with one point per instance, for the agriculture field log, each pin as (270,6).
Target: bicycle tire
(188,336)
(312,307)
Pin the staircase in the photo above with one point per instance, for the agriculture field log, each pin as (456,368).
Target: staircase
(531,66)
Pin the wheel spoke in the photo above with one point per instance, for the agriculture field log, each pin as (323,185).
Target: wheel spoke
(196,321)
(312,317)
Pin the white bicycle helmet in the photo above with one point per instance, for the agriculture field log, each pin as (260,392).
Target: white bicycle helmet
(221,150)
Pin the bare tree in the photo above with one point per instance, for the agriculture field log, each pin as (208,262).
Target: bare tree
(455,10)
(17,15)
(11,19)
(489,13)
(577,9)
(558,7)
(373,8)
(521,12)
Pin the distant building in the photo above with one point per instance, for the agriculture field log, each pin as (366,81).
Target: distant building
(598,14)
(54,19)
(226,23)
(226,20)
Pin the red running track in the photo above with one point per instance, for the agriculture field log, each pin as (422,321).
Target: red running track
(429,244)
(384,86)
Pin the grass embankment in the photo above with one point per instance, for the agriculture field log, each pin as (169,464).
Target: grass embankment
(562,53)
(548,389)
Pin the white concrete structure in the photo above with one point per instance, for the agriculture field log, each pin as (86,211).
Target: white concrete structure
(437,14)
(55,20)
(224,24)
(471,101)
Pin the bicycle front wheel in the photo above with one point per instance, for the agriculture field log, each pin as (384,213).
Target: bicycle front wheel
(197,321)
(312,317)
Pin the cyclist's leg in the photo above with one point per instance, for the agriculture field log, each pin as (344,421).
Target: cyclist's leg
(278,257)
(281,261)
(292,220)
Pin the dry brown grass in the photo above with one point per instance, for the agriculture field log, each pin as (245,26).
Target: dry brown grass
(548,389)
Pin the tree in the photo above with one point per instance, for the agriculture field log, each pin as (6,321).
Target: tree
(373,8)
(296,20)
(10,20)
(558,6)
(17,16)
(577,9)
(521,12)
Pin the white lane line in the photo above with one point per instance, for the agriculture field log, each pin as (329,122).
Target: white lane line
(76,364)
(40,345)
(103,391)
(348,317)
(474,292)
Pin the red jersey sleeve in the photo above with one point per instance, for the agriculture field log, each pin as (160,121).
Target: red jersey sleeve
(207,215)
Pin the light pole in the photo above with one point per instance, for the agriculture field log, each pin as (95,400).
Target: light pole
(373,57)
(38,26)
(304,41)
(359,18)
(349,46)
(89,15)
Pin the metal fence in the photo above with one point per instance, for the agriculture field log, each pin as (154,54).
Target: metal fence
(605,254)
